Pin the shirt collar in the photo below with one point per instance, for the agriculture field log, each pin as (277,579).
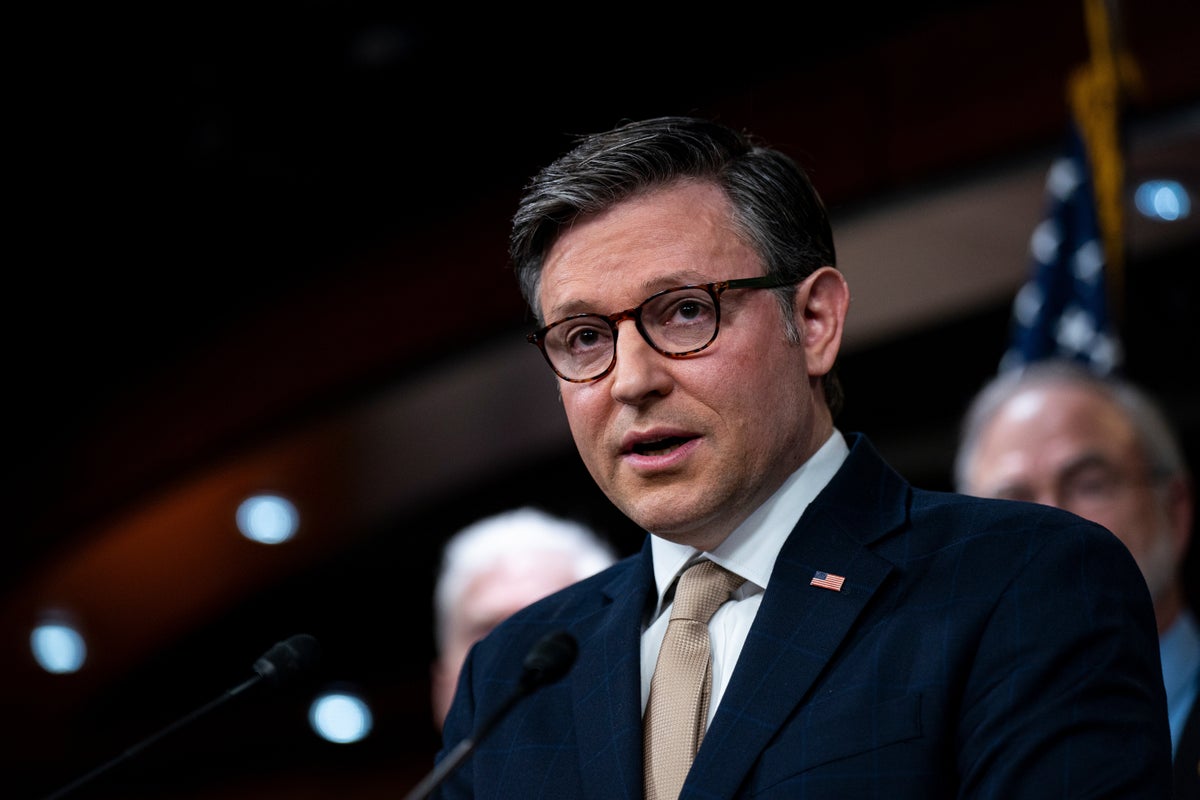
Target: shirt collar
(751,549)
(1179,647)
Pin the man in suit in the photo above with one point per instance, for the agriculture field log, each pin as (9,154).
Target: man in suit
(1056,433)
(882,641)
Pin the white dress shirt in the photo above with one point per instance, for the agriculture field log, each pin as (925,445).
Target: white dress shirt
(750,551)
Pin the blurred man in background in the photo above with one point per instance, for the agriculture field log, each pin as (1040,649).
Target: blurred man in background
(1057,434)
(496,566)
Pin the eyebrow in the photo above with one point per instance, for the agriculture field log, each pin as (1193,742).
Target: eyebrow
(652,286)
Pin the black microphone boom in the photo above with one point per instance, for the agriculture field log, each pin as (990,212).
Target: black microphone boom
(547,661)
(280,666)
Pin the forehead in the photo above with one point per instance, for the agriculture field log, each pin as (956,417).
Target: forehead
(1042,427)
(680,233)
(1076,409)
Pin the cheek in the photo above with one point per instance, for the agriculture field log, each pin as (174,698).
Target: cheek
(764,416)
(780,393)
(585,410)
(1133,524)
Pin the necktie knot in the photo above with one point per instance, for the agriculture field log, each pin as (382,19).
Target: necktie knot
(701,590)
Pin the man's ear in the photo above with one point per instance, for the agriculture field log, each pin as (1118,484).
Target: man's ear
(821,303)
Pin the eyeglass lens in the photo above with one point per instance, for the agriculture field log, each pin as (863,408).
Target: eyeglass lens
(676,322)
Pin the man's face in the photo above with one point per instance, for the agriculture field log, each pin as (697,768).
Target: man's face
(1068,447)
(688,447)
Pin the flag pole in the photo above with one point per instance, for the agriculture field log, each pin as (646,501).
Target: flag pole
(1095,94)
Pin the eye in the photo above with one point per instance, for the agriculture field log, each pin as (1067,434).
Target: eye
(687,308)
(585,334)
(1091,484)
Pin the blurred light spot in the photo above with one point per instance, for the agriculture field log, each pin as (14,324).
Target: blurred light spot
(1163,200)
(58,647)
(340,717)
(380,47)
(267,518)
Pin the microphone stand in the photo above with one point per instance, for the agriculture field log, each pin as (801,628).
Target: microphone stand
(546,662)
(279,666)
(142,745)
(462,750)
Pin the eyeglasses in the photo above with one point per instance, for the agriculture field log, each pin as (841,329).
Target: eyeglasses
(1099,484)
(1088,488)
(676,322)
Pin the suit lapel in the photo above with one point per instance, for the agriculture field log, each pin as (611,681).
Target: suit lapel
(799,627)
(607,688)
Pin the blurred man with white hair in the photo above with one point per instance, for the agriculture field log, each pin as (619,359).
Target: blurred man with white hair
(496,566)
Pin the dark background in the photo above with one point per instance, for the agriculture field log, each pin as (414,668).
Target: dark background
(263,248)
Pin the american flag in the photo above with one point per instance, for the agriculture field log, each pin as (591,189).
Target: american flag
(827,581)
(1062,309)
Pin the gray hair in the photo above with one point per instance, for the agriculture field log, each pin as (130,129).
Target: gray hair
(1155,434)
(476,548)
(775,206)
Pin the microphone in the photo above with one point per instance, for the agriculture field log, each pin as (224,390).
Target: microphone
(281,666)
(547,661)
(287,661)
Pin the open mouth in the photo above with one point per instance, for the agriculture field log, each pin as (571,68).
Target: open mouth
(659,447)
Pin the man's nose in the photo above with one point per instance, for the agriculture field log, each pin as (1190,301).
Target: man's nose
(640,371)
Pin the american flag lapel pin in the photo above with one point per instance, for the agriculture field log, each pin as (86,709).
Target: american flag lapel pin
(827,581)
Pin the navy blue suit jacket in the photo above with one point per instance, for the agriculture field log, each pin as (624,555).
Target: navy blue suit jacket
(978,648)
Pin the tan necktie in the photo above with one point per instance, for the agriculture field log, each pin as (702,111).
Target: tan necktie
(677,711)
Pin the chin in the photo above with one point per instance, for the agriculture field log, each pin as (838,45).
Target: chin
(665,513)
